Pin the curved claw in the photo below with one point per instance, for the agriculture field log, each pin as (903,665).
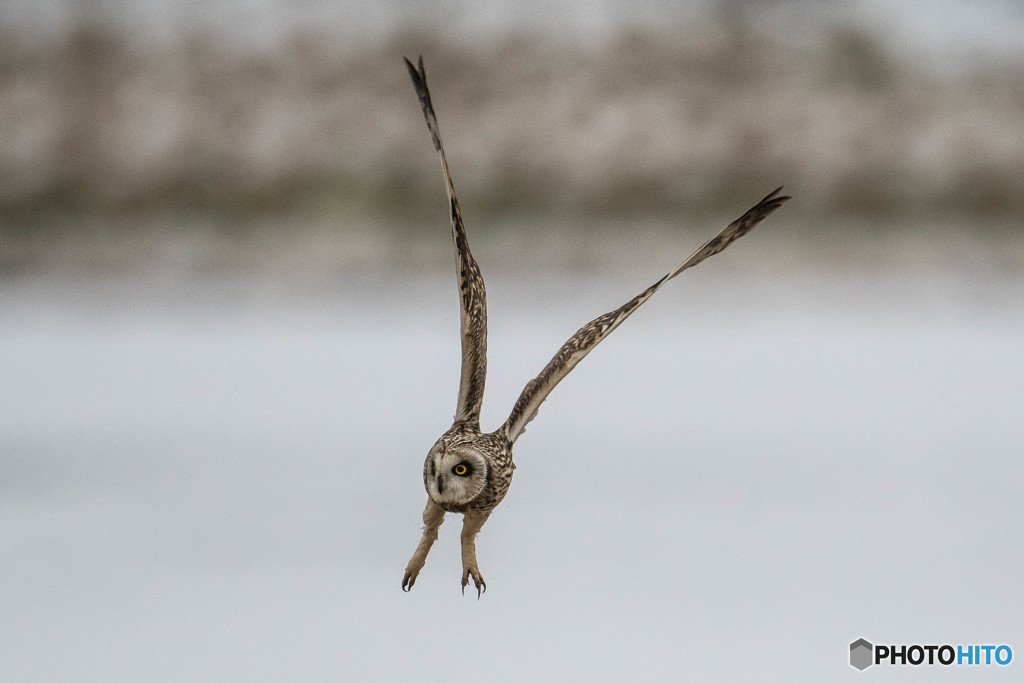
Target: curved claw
(408,580)
(478,581)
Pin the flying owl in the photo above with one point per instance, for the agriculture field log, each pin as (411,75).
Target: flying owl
(468,471)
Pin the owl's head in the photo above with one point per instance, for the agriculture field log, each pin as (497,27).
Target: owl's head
(455,475)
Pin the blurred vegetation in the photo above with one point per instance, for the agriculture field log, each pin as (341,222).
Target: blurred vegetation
(695,118)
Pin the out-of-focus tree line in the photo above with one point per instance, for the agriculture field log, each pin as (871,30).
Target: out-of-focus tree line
(657,121)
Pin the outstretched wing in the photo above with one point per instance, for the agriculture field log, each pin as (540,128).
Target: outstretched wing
(588,336)
(472,296)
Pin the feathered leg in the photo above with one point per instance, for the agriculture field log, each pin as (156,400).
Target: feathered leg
(433,515)
(471,525)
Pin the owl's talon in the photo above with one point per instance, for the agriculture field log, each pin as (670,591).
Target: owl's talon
(478,581)
(408,580)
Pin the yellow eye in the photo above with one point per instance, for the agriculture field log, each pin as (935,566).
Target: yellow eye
(460,469)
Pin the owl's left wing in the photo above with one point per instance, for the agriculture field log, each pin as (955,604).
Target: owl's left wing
(591,334)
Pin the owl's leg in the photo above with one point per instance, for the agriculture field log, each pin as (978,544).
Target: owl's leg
(433,515)
(470,526)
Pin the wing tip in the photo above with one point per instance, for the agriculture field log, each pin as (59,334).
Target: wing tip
(774,196)
(418,75)
(771,201)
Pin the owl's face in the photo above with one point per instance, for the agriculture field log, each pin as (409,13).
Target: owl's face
(454,476)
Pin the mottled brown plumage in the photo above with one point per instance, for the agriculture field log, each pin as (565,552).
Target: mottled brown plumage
(588,336)
(467,471)
(472,294)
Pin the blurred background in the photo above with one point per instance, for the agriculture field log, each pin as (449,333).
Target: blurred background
(228,335)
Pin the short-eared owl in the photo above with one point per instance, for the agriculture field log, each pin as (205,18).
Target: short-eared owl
(469,471)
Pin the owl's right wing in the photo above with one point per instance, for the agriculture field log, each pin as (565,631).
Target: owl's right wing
(591,334)
(472,295)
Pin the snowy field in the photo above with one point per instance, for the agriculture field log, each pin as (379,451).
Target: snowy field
(220,479)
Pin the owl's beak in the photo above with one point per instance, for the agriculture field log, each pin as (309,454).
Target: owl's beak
(440,484)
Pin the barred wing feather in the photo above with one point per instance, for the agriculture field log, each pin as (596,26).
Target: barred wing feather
(591,334)
(472,295)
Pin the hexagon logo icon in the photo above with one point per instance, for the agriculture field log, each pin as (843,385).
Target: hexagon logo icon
(861,652)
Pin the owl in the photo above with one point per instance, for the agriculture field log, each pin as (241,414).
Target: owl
(468,471)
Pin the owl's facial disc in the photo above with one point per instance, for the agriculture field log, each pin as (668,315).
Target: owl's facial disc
(455,477)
